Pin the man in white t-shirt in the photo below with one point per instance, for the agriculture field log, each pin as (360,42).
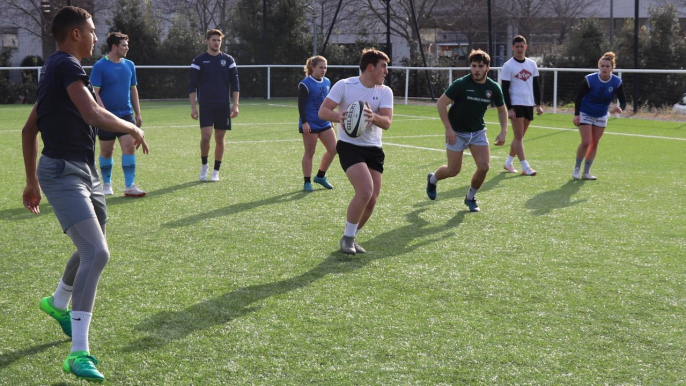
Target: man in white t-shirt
(362,158)
(522,93)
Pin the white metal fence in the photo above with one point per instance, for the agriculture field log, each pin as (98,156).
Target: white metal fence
(405,72)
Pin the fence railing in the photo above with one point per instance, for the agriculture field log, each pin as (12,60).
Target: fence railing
(405,72)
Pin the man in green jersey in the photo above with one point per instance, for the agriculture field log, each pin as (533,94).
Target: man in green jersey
(464,125)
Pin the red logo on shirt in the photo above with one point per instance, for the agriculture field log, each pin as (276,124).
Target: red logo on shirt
(523,75)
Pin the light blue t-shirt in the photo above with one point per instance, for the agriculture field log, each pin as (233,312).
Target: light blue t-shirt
(115,81)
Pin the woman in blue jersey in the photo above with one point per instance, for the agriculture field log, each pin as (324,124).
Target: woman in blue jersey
(592,110)
(311,93)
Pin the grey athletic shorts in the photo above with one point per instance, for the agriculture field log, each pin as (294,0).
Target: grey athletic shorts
(466,139)
(73,189)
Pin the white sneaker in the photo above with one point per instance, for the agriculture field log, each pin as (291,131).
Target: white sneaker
(203,172)
(215,176)
(529,172)
(107,188)
(589,176)
(577,174)
(133,191)
(510,168)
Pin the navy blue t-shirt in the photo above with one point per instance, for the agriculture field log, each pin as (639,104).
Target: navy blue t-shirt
(213,78)
(65,133)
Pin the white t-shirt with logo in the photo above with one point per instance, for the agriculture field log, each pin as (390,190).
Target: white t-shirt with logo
(347,91)
(521,78)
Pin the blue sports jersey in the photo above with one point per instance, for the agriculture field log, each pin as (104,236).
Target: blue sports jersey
(64,132)
(115,81)
(317,91)
(213,79)
(596,102)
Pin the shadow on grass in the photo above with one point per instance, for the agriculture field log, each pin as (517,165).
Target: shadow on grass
(21,213)
(8,358)
(461,192)
(168,326)
(543,136)
(544,202)
(120,199)
(236,208)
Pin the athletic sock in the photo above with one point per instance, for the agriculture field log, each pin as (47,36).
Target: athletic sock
(128,164)
(350,229)
(217,165)
(307,179)
(106,169)
(320,174)
(433,179)
(62,296)
(80,324)
(525,165)
(578,163)
(203,160)
(509,160)
(471,193)
(587,166)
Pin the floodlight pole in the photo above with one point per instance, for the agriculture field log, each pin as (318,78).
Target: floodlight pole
(636,75)
(314,31)
(328,34)
(490,31)
(389,49)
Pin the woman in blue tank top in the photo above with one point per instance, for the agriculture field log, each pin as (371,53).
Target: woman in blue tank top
(311,93)
(591,111)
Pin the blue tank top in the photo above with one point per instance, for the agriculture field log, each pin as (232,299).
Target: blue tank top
(597,100)
(317,92)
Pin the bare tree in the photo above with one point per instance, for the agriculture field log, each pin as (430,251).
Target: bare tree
(35,16)
(201,14)
(402,20)
(468,17)
(326,10)
(566,12)
(525,14)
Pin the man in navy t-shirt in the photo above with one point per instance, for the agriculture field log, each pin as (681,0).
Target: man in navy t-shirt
(66,114)
(213,83)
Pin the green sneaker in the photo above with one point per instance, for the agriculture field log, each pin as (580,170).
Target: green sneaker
(62,317)
(82,364)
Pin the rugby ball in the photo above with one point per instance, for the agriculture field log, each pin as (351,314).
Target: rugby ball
(354,123)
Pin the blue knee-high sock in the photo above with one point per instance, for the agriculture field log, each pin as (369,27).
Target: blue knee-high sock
(106,169)
(128,163)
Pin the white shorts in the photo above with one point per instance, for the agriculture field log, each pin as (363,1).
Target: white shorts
(466,139)
(585,119)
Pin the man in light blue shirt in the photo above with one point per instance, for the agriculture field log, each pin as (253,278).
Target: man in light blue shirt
(114,81)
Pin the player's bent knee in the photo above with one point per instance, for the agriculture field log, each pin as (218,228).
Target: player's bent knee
(101,258)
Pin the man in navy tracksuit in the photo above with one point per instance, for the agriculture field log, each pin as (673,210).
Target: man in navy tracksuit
(213,83)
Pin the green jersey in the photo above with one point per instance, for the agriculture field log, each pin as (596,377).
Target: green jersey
(470,101)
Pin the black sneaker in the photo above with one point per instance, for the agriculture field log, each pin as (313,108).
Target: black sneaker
(358,247)
(348,245)
(473,207)
(430,188)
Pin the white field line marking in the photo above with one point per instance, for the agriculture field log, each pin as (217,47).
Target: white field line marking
(608,132)
(414,117)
